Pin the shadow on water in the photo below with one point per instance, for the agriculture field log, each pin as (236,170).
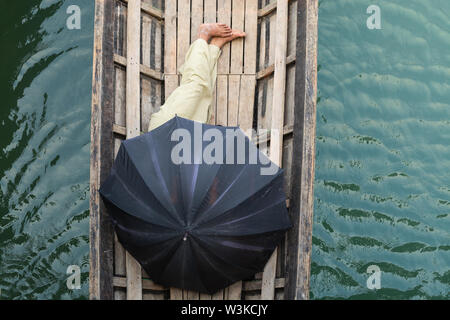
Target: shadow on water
(45,83)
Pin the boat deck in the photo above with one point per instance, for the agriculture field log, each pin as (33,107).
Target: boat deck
(265,81)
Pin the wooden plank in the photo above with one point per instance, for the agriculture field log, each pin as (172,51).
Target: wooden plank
(279,88)
(224,16)
(290,96)
(176,294)
(251,29)
(192,295)
(222,100)
(246,102)
(101,151)
(219,295)
(158,54)
(262,45)
(234,291)
(120,38)
(170,38)
(276,142)
(146,55)
(146,31)
(145,70)
(234,84)
(150,9)
(133,123)
(146,284)
(210,14)
(255,285)
(197,18)
(119,251)
(268,71)
(241,91)
(170,84)
(237,46)
(204,296)
(184,27)
(213,106)
(120,96)
(302,201)
(272,37)
(267,9)
(292,29)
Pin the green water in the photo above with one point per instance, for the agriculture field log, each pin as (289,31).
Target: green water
(382,184)
(382,189)
(45,90)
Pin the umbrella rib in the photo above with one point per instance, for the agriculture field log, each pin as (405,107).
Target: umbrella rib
(140,201)
(162,181)
(247,216)
(223,193)
(213,253)
(243,200)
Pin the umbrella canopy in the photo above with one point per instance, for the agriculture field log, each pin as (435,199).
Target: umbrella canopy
(198,206)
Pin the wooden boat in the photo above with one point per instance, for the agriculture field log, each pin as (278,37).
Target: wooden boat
(267,81)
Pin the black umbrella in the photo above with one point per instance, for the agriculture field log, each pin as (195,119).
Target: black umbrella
(202,224)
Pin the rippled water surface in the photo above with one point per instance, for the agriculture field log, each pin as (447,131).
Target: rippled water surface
(45,85)
(382,189)
(382,177)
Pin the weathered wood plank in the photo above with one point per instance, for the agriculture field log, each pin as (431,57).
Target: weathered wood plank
(191,295)
(262,44)
(276,142)
(302,200)
(219,295)
(210,14)
(234,291)
(184,27)
(251,29)
(120,97)
(119,251)
(120,25)
(234,84)
(145,70)
(146,284)
(292,29)
(170,84)
(170,38)
(133,122)
(158,54)
(272,20)
(197,18)
(224,16)
(268,71)
(255,285)
(222,100)
(237,46)
(150,9)
(146,39)
(290,96)
(101,153)
(246,102)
